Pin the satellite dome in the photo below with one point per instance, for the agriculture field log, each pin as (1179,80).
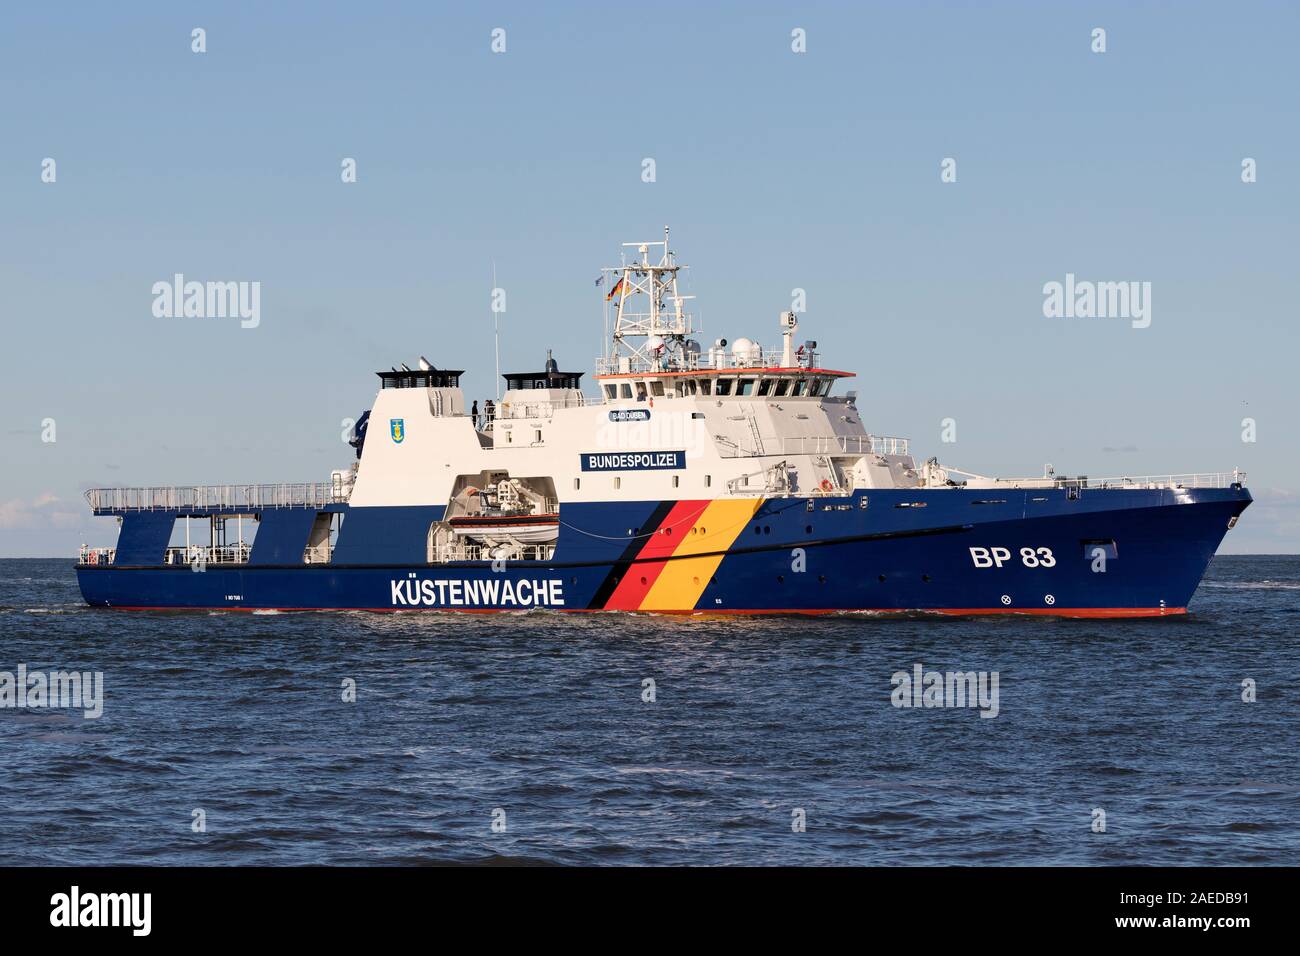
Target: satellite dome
(746,350)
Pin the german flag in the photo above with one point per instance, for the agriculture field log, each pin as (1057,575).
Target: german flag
(618,288)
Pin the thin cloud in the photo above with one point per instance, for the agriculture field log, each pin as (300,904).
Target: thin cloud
(41,512)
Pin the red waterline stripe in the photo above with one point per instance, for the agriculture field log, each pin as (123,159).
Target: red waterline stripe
(1078,612)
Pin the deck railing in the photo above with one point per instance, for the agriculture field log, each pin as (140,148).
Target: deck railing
(816,445)
(203,554)
(241,498)
(320,554)
(522,408)
(1209,479)
(468,551)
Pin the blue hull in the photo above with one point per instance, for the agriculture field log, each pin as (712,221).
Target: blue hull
(1108,552)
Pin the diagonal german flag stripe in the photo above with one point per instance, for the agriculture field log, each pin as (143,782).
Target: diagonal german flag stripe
(679,584)
(650,561)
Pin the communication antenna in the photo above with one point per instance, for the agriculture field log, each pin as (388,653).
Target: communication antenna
(496,328)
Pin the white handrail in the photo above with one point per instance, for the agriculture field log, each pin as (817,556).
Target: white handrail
(205,554)
(508,409)
(822,445)
(246,498)
(1208,479)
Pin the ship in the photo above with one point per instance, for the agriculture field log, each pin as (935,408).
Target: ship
(695,477)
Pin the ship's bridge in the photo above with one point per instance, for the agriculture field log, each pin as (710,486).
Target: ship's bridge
(770,382)
(745,371)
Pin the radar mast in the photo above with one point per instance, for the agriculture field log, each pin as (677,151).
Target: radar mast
(651,328)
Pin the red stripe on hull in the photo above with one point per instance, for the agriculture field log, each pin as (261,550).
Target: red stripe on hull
(638,581)
(1073,612)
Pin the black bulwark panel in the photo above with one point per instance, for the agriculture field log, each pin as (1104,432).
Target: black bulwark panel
(282,536)
(144,536)
(391,535)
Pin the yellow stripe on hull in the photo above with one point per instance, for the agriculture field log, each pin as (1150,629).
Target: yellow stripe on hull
(684,578)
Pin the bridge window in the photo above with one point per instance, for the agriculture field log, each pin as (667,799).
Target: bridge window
(611,391)
(657,389)
(705,385)
(724,386)
(764,386)
(624,390)
(745,386)
(800,388)
(782,387)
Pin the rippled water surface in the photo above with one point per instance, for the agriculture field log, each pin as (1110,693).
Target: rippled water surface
(541,715)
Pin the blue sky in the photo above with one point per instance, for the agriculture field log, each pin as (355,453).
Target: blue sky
(775,170)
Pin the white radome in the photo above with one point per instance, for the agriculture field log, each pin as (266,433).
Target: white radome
(745,350)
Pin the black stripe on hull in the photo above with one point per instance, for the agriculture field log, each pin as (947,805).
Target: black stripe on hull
(626,559)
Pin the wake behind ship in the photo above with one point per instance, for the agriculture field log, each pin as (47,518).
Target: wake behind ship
(727,479)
